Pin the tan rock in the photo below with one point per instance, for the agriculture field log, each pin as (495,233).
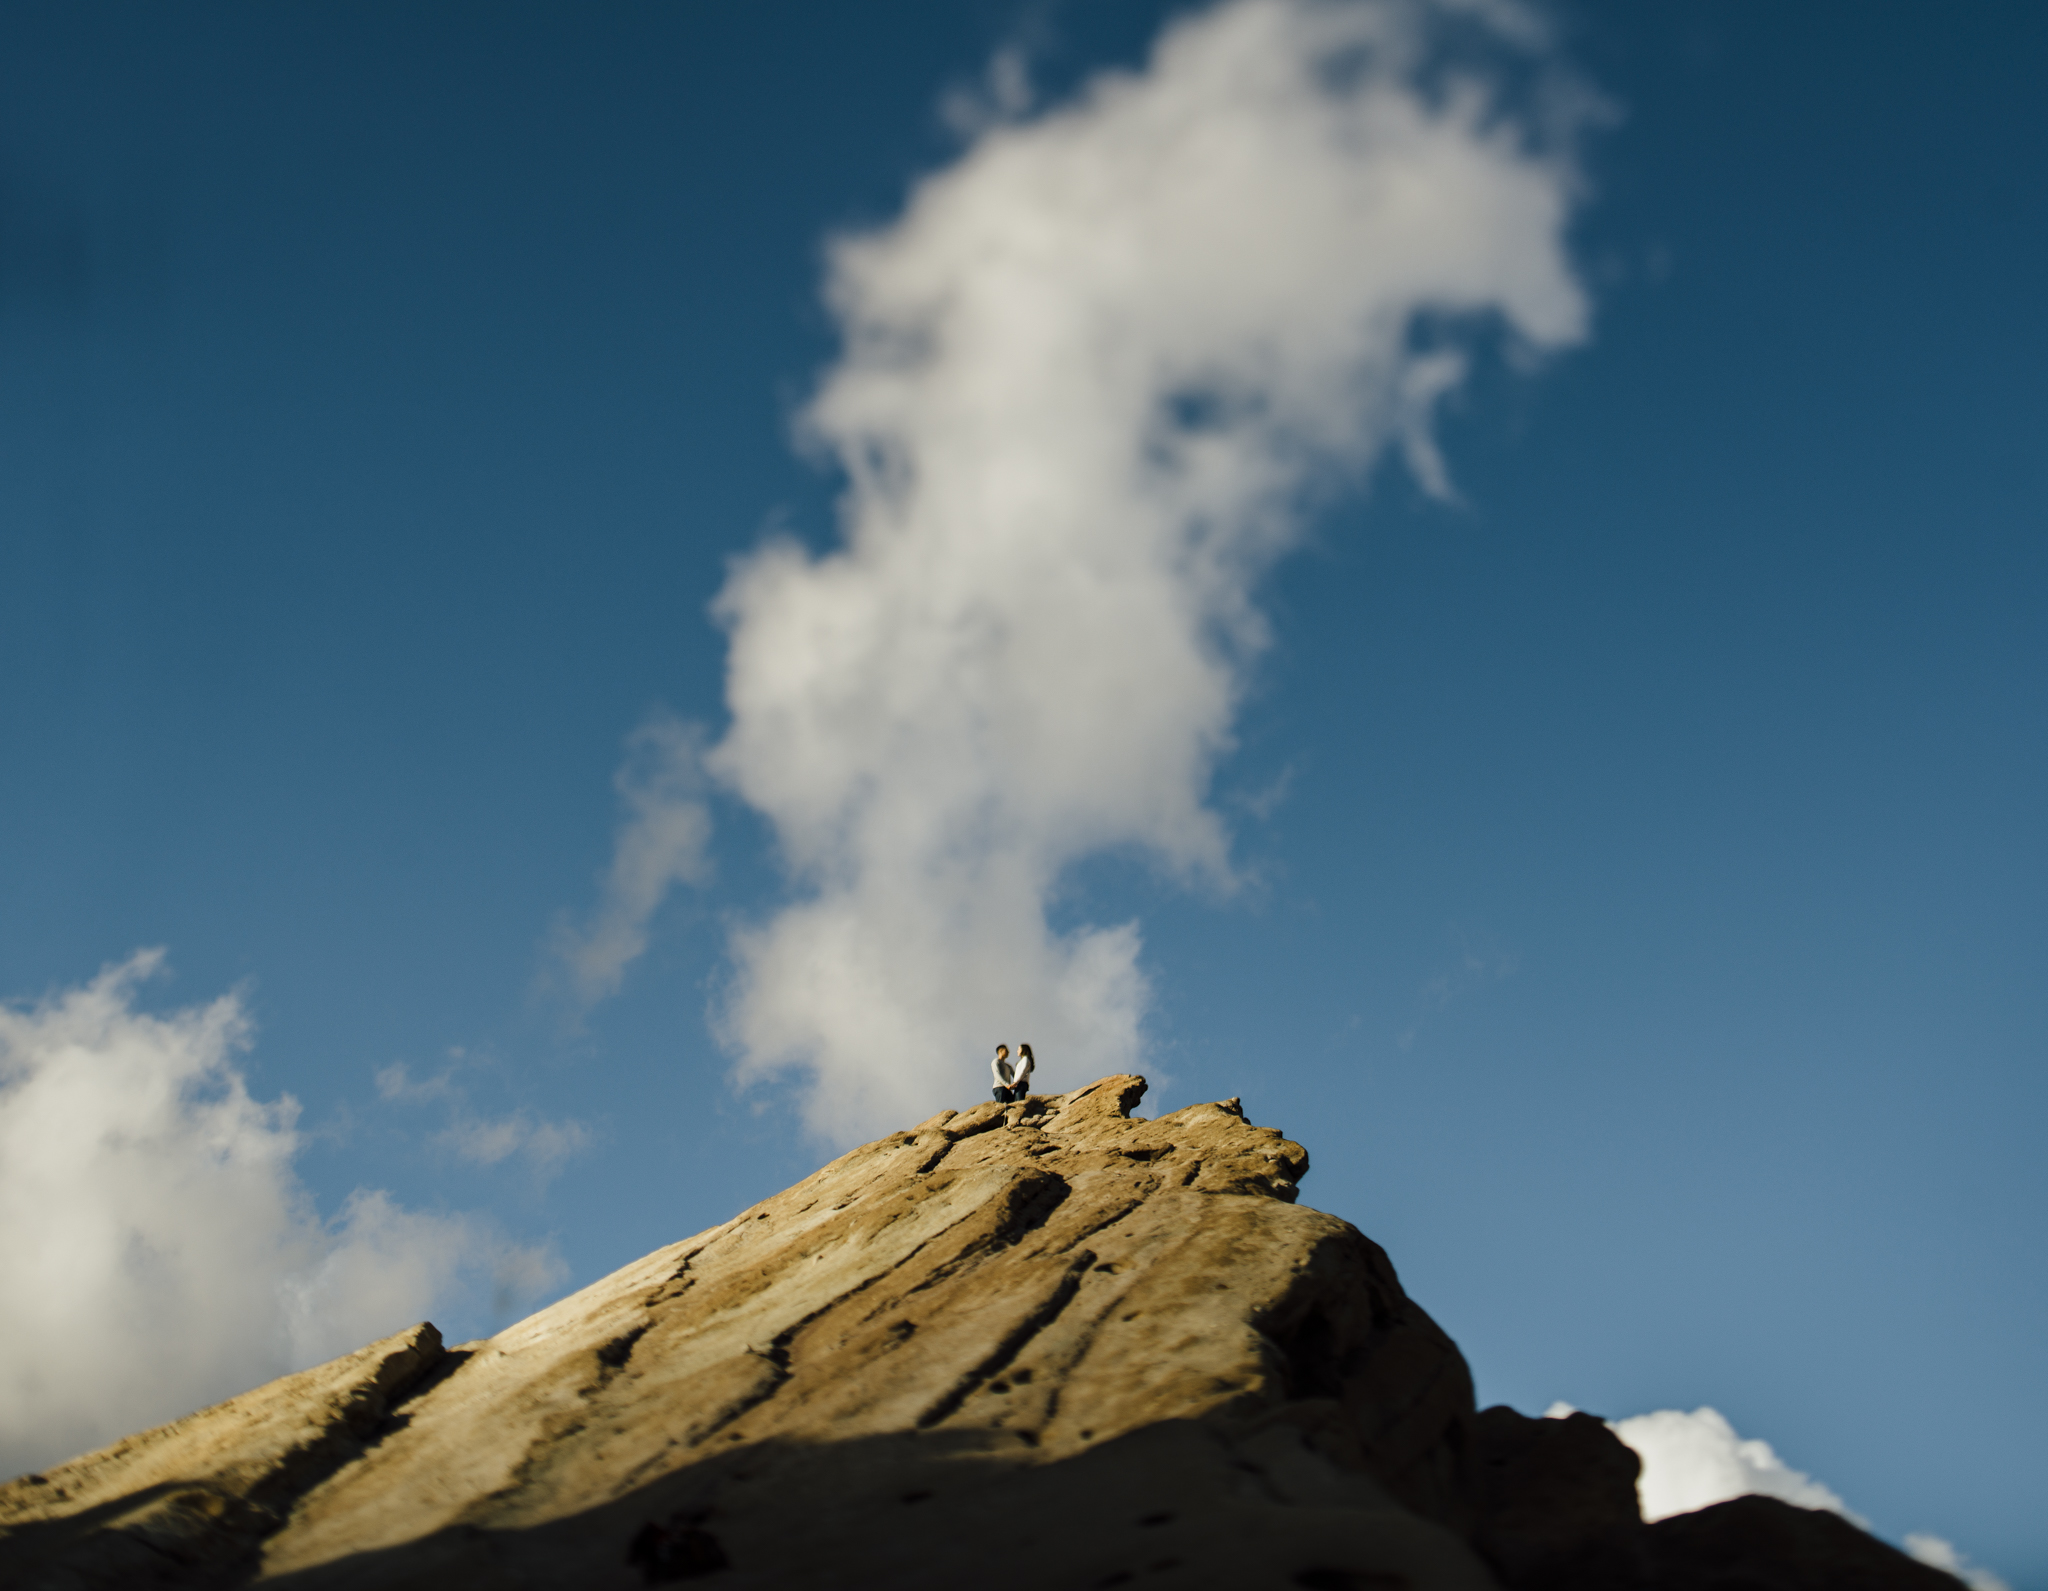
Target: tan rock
(1041,1345)
(900,1360)
(191,1502)
(1017,1342)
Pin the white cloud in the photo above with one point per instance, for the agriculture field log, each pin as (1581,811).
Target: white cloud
(157,1250)
(1939,1554)
(1091,377)
(1695,1460)
(663,832)
(396,1083)
(485,1141)
(1003,94)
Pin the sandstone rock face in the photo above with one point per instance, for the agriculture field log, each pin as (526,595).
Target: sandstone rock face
(1042,1345)
(193,1501)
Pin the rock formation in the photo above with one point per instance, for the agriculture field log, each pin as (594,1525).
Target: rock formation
(1040,1345)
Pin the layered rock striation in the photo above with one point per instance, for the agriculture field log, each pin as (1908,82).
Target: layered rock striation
(1047,1344)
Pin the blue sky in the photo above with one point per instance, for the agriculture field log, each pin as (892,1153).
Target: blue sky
(1638,855)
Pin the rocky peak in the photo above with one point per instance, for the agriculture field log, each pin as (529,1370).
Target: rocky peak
(1048,1344)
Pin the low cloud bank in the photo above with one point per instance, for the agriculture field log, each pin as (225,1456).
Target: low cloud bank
(157,1250)
(1093,377)
(1695,1460)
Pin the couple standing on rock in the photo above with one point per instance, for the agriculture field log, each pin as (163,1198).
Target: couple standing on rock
(1013,1078)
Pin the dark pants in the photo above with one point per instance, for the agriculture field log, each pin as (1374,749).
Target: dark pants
(1006,1096)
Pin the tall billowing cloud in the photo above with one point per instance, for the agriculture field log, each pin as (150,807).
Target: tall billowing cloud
(1091,376)
(157,1251)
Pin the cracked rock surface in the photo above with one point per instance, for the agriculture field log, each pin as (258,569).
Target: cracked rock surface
(1041,1345)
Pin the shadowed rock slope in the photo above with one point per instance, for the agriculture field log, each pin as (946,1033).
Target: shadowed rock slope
(1045,1345)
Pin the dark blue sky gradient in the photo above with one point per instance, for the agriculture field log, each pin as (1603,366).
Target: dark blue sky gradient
(1648,946)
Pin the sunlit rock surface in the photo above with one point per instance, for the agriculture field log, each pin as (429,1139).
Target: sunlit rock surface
(1044,1345)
